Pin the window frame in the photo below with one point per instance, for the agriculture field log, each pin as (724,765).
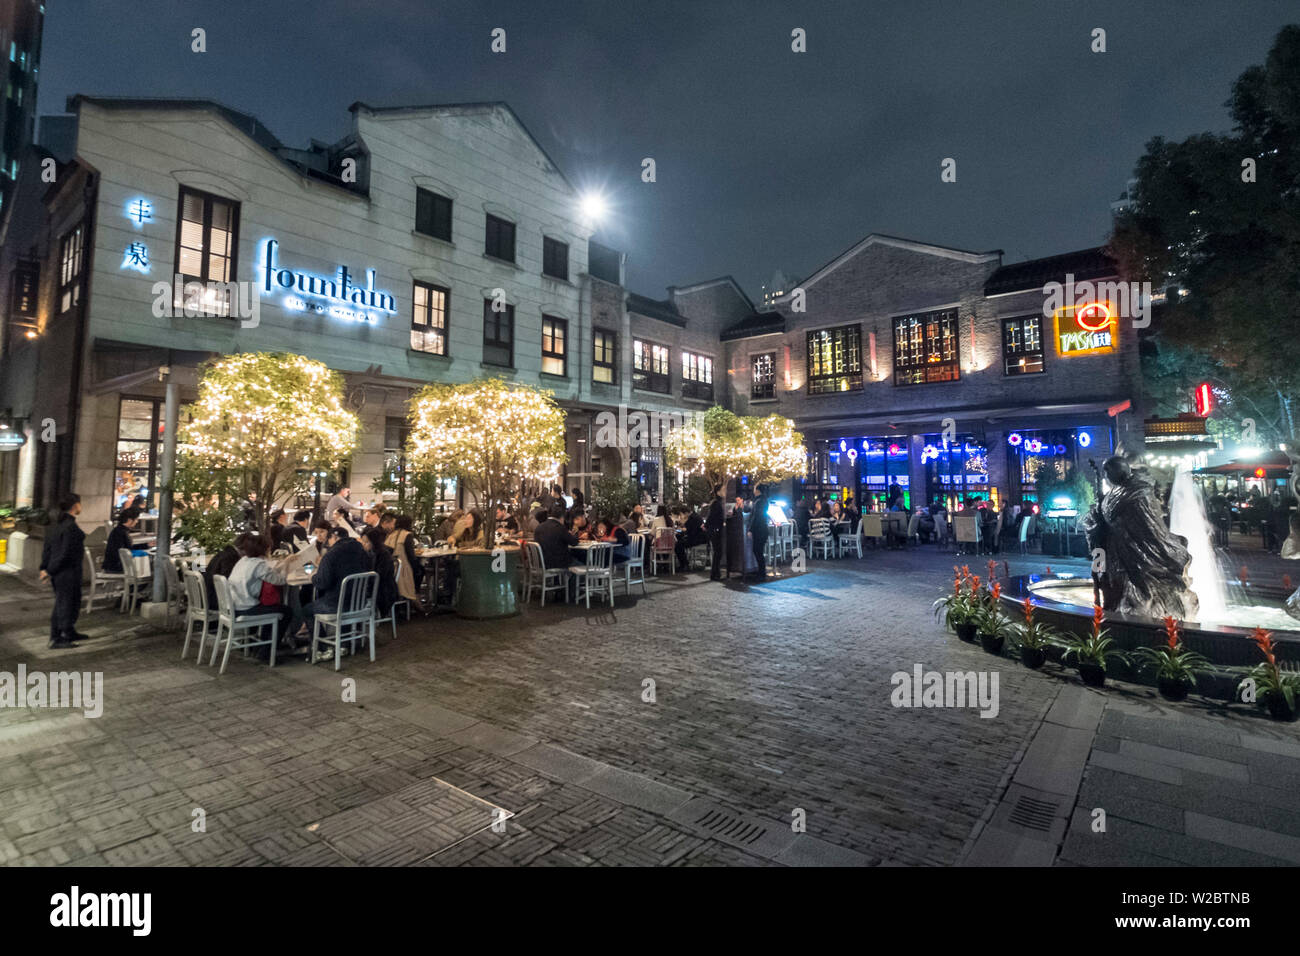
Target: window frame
(435,198)
(611,348)
(1008,356)
(488,233)
(563,354)
(754,385)
(648,379)
(697,376)
(70,268)
(929,371)
(225,308)
(496,342)
(424,329)
(549,252)
(825,383)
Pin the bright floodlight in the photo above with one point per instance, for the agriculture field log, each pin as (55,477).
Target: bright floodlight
(593,206)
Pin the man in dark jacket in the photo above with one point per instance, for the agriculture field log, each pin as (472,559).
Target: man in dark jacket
(758,528)
(555,541)
(296,532)
(381,555)
(222,563)
(119,538)
(345,557)
(713,526)
(61,558)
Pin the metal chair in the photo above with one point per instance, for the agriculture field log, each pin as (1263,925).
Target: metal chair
(134,585)
(785,536)
(634,569)
(852,541)
(541,577)
(241,632)
(196,612)
(820,538)
(914,527)
(597,574)
(175,593)
(353,621)
(404,602)
(102,584)
(664,550)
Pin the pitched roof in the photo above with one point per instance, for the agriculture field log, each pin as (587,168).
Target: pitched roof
(880,239)
(664,311)
(720,280)
(1035,273)
(760,323)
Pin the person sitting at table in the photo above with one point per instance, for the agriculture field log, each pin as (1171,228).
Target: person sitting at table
(661,519)
(222,563)
(577,525)
(447,525)
(343,523)
(320,534)
(381,556)
(372,516)
(246,592)
(636,520)
(506,520)
(139,503)
(802,515)
(279,524)
(295,533)
(118,538)
(401,544)
(345,556)
(469,531)
(405,523)
(694,536)
(607,529)
(555,541)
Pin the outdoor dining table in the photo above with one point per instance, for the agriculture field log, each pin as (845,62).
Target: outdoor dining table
(582,551)
(434,559)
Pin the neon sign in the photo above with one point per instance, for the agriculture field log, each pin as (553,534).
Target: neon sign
(136,257)
(1084,439)
(1204,400)
(139,211)
(343,298)
(1086,329)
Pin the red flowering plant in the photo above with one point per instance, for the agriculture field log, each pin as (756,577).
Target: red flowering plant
(1268,678)
(1097,648)
(989,619)
(961,605)
(1035,635)
(1172,660)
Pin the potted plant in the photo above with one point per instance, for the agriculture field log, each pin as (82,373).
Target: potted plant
(1034,637)
(1274,690)
(1094,652)
(1175,666)
(992,624)
(957,610)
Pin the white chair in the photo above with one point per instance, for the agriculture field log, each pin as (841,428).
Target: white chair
(175,595)
(664,550)
(134,585)
(941,529)
(102,584)
(785,536)
(539,576)
(597,574)
(1026,529)
(634,569)
(353,621)
(241,632)
(873,526)
(820,538)
(852,541)
(914,527)
(196,612)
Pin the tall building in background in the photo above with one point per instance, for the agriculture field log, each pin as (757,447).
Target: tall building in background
(20,46)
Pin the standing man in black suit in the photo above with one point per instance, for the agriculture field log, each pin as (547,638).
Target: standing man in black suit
(758,528)
(61,559)
(714,524)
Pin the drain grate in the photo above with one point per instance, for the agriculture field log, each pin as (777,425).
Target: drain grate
(731,827)
(1034,814)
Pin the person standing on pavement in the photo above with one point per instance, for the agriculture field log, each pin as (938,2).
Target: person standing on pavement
(713,525)
(758,527)
(61,559)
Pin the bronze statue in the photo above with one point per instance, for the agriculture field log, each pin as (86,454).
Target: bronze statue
(1145,570)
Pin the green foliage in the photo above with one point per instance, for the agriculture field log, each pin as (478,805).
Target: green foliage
(699,491)
(672,487)
(1231,243)
(1171,663)
(419,496)
(210,497)
(613,495)
(1075,485)
(1096,648)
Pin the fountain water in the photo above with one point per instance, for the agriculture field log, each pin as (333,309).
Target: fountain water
(1187,518)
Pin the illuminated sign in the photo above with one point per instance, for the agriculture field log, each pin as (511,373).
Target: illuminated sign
(1084,439)
(340,297)
(136,257)
(1086,329)
(11,439)
(1204,400)
(139,211)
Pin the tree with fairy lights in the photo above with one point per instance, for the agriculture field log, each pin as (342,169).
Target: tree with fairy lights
(724,444)
(490,435)
(270,418)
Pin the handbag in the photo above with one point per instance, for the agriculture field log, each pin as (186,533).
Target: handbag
(270,595)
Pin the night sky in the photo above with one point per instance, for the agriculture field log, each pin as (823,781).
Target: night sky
(766,158)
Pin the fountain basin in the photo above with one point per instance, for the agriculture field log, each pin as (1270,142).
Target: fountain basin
(1065,602)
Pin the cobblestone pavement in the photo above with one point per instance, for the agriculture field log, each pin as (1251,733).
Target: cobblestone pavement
(529,742)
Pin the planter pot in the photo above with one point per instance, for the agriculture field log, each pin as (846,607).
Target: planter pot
(1172,689)
(1032,657)
(966,632)
(1094,675)
(992,643)
(1277,708)
(485,593)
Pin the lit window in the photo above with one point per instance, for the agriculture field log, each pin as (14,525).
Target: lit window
(604,359)
(835,360)
(429,318)
(650,367)
(925,348)
(554,333)
(763,376)
(697,376)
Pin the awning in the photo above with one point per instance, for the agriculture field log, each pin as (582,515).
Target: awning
(1276,464)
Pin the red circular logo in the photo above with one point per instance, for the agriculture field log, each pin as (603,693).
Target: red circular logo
(1093,312)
